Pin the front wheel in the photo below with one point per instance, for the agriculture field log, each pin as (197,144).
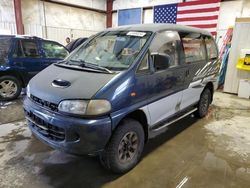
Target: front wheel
(10,88)
(203,104)
(124,150)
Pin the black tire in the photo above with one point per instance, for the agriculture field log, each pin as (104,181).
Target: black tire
(17,85)
(110,157)
(204,103)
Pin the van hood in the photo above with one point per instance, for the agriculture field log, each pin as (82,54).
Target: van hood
(80,84)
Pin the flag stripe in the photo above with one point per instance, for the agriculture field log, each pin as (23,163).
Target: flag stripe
(206,26)
(198,18)
(190,3)
(202,6)
(200,13)
(197,10)
(203,22)
(194,15)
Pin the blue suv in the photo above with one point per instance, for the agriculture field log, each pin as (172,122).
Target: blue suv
(21,58)
(122,87)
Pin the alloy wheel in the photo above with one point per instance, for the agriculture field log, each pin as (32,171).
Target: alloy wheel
(8,88)
(128,147)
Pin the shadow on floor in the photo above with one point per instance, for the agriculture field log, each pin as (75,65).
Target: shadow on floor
(87,171)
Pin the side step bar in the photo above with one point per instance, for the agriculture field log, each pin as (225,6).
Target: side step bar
(173,121)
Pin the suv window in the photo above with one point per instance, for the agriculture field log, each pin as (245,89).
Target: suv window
(26,48)
(4,48)
(212,52)
(54,50)
(194,47)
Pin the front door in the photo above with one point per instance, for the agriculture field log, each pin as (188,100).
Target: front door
(26,58)
(168,78)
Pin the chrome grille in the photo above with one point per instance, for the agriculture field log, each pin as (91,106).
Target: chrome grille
(50,131)
(44,103)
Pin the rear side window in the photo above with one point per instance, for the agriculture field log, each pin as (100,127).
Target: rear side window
(54,50)
(4,49)
(212,52)
(194,47)
(26,48)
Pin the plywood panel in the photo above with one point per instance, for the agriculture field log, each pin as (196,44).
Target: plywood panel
(241,40)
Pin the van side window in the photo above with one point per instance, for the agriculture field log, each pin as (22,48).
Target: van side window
(212,52)
(194,47)
(26,48)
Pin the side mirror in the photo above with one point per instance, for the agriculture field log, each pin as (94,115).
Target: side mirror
(161,61)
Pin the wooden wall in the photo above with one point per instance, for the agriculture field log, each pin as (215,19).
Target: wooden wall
(240,40)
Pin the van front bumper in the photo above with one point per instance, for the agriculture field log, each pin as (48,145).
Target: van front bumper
(73,135)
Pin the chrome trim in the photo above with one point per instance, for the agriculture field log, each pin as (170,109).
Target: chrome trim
(167,124)
(43,127)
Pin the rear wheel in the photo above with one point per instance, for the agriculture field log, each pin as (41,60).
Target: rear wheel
(204,103)
(125,147)
(10,88)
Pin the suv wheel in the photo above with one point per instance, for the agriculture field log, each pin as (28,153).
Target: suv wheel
(125,147)
(10,88)
(203,104)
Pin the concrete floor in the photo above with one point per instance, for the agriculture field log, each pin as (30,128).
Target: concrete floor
(210,152)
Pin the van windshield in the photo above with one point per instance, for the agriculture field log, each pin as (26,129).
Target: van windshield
(115,50)
(4,48)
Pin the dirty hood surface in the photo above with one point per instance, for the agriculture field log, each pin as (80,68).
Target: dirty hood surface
(83,84)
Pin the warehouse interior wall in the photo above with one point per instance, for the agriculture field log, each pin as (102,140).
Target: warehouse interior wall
(96,4)
(56,22)
(7,17)
(229,10)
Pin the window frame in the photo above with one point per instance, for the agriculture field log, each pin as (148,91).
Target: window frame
(216,47)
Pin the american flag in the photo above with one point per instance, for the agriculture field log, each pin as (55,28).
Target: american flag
(202,14)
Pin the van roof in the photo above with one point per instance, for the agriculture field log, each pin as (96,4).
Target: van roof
(160,27)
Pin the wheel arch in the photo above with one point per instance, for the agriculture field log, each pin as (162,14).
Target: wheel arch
(15,74)
(210,86)
(140,116)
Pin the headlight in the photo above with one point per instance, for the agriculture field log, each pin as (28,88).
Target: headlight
(28,90)
(83,107)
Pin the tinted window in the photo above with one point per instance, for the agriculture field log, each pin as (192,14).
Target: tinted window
(26,48)
(54,50)
(4,48)
(194,48)
(211,48)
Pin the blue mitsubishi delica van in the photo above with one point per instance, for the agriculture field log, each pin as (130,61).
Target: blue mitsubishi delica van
(122,87)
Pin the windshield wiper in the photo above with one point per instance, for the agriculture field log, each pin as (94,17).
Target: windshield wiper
(89,65)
